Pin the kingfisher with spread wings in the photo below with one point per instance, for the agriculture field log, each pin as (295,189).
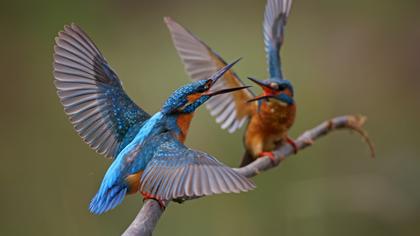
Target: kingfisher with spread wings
(148,152)
(269,115)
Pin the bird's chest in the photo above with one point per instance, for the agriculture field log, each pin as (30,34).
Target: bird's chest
(269,125)
(183,124)
(273,117)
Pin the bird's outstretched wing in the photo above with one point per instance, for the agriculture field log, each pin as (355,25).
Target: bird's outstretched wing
(177,172)
(91,93)
(231,109)
(275,18)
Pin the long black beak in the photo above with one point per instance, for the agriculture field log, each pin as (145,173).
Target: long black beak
(219,74)
(259,82)
(260,98)
(229,90)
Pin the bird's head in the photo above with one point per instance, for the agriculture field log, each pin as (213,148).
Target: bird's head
(189,97)
(281,90)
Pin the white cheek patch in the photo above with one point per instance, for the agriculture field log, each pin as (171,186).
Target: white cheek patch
(283,104)
(185,106)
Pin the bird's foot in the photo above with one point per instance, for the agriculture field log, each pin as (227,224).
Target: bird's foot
(269,155)
(147,196)
(293,144)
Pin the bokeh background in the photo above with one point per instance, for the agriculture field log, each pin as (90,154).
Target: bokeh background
(344,57)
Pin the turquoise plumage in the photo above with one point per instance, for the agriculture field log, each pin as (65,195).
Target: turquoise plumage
(149,153)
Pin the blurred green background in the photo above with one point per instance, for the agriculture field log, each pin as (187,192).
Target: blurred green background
(344,57)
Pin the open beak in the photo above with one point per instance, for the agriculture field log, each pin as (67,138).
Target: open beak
(266,97)
(262,84)
(219,74)
(268,91)
(229,90)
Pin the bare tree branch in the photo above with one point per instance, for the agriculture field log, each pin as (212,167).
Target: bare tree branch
(146,220)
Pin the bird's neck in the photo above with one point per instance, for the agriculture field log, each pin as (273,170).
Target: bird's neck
(180,124)
(274,115)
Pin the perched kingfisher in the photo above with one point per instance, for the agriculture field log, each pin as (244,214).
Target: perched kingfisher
(148,151)
(270,115)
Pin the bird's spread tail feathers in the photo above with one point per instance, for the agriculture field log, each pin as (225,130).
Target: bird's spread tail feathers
(107,199)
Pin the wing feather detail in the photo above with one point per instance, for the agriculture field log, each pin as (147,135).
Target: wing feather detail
(275,19)
(201,62)
(177,172)
(91,93)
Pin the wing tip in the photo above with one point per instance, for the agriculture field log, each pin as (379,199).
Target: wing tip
(66,31)
(172,24)
(168,20)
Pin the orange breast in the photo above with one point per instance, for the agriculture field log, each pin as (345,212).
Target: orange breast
(268,127)
(183,123)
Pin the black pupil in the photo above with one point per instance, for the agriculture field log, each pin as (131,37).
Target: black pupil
(206,86)
(282,87)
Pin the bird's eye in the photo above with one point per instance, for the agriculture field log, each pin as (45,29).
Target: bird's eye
(274,86)
(207,85)
(203,88)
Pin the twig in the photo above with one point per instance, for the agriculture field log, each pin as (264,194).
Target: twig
(146,220)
